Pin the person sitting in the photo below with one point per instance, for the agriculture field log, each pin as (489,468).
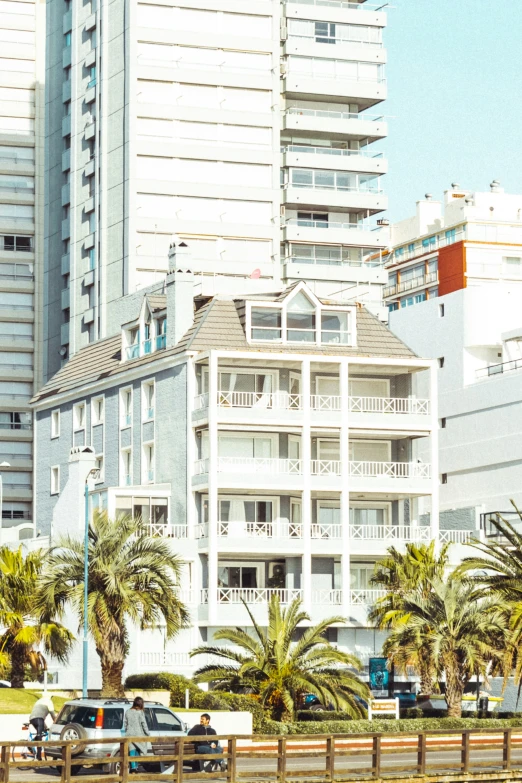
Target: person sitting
(203,728)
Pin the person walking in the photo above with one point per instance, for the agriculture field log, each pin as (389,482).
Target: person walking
(135,725)
(203,728)
(41,711)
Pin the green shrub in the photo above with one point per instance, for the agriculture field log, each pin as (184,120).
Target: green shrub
(328,715)
(389,726)
(159,681)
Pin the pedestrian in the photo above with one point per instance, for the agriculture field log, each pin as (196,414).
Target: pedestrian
(135,725)
(203,728)
(41,711)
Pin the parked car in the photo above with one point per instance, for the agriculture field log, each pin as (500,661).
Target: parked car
(5,684)
(89,719)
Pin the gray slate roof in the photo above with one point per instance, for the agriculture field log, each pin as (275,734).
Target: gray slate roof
(218,325)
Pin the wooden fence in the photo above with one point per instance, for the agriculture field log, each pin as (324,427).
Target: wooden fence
(460,755)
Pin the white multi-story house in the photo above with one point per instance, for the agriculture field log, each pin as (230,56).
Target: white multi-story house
(471,239)
(268,437)
(246,129)
(22,46)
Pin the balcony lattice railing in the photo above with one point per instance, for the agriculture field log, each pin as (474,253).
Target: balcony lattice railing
(166,530)
(365,597)
(262,400)
(456,536)
(255,595)
(259,465)
(318,402)
(390,469)
(393,405)
(326,467)
(389,533)
(327,597)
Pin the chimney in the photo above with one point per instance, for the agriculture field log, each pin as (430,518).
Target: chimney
(429,214)
(180,304)
(495,187)
(179,256)
(69,511)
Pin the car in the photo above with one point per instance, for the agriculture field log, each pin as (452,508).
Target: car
(89,719)
(5,684)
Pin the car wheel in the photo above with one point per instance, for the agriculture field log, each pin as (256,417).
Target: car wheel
(73,731)
(76,770)
(115,768)
(318,708)
(151,766)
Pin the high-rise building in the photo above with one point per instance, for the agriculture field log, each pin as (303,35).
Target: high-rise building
(22,51)
(245,130)
(472,239)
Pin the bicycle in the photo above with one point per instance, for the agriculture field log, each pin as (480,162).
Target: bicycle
(31,751)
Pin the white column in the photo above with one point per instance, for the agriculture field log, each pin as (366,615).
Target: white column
(191,448)
(345,486)
(306,502)
(434,455)
(212,487)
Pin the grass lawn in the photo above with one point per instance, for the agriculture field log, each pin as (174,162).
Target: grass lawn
(20,701)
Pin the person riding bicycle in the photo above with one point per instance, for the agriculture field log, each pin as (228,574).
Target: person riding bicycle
(41,710)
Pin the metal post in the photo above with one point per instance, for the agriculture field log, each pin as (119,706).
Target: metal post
(85,591)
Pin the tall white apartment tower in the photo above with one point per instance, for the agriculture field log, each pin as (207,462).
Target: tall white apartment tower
(22,75)
(243,130)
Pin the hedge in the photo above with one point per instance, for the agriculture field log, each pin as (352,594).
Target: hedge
(388,726)
(203,700)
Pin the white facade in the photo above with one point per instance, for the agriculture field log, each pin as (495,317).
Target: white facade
(476,336)
(22,42)
(246,132)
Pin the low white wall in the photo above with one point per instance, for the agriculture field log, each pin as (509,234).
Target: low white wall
(222,722)
(11,727)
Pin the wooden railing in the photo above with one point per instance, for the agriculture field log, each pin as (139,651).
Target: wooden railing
(471,754)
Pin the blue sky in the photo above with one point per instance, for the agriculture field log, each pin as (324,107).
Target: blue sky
(455,95)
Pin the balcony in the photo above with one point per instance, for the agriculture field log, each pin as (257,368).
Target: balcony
(498,369)
(365,597)
(255,595)
(355,198)
(389,533)
(251,465)
(456,536)
(340,4)
(333,232)
(329,124)
(394,470)
(363,160)
(315,85)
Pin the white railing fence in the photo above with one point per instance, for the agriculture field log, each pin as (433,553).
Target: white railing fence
(327,597)
(390,469)
(389,405)
(456,536)
(326,467)
(389,533)
(167,530)
(200,401)
(255,595)
(259,465)
(365,597)
(326,531)
(279,400)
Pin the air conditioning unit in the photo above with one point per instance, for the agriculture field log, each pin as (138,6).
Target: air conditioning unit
(283,69)
(383,222)
(284,31)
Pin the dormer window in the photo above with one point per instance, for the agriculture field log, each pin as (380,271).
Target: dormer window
(133,342)
(147,342)
(300,318)
(161,333)
(266,323)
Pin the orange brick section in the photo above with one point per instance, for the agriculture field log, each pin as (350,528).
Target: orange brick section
(452,268)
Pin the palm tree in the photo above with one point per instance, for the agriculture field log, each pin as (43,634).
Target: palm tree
(497,570)
(465,634)
(270,664)
(24,630)
(402,575)
(132,579)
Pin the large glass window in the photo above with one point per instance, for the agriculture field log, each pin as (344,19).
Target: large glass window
(334,328)
(266,324)
(238,576)
(300,320)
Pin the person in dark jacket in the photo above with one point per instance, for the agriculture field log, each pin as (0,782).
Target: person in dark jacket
(203,728)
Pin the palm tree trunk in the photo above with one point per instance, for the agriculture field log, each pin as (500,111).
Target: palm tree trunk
(112,671)
(17,666)
(454,689)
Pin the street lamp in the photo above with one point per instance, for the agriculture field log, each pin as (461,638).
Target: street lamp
(93,473)
(2,465)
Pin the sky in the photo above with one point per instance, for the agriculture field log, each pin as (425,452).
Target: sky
(454,79)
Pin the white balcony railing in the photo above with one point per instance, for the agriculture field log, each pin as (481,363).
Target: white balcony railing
(335,151)
(334,115)
(327,597)
(164,659)
(326,467)
(333,225)
(189,595)
(247,529)
(337,188)
(389,533)
(166,530)
(409,405)
(279,400)
(365,597)
(259,465)
(456,536)
(344,4)
(390,469)
(255,595)
(326,531)
(325,402)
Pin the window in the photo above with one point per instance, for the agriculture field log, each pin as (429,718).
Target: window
(18,243)
(441,311)
(325,32)
(512,266)
(92,76)
(450,236)
(441,362)
(55,424)
(165,720)
(147,342)
(312,219)
(67,39)
(148,463)
(98,410)
(266,323)
(126,408)
(444,478)
(126,467)
(79,416)
(300,320)
(148,392)
(92,258)
(55,480)
(14,420)
(411,247)
(98,464)
(334,328)
(133,343)
(443,424)
(161,333)
(429,242)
